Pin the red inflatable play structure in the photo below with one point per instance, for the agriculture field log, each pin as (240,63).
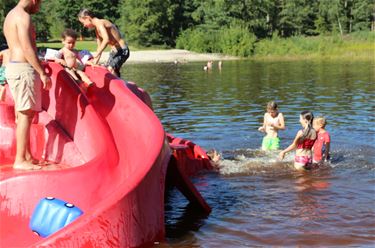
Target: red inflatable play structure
(107,153)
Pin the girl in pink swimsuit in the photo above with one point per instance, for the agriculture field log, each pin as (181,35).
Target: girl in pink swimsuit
(303,142)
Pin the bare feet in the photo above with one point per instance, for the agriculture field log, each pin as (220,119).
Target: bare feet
(26,165)
(31,159)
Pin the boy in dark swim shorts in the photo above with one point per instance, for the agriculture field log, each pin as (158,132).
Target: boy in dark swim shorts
(106,34)
(117,58)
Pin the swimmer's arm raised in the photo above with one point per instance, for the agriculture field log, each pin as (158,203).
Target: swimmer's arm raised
(263,127)
(101,32)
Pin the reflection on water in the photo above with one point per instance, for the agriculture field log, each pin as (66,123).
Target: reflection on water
(256,199)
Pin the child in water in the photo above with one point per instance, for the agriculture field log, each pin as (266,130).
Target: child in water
(273,122)
(303,142)
(70,59)
(214,157)
(4,59)
(322,143)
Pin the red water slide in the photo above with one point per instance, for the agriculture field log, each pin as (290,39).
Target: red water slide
(107,154)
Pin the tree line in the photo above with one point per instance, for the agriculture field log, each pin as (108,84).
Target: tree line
(229,26)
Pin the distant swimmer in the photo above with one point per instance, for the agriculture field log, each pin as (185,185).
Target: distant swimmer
(209,65)
(220,64)
(303,143)
(273,121)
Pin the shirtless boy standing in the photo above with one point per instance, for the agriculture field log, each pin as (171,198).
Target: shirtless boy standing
(106,34)
(22,74)
(273,122)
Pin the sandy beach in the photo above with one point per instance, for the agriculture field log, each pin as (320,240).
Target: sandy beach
(173,55)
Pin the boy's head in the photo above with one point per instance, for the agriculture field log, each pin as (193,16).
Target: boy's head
(85,17)
(319,122)
(272,108)
(69,37)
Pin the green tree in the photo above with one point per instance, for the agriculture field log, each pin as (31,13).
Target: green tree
(297,17)
(41,25)
(330,17)
(362,15)
(152,22)
(5,7)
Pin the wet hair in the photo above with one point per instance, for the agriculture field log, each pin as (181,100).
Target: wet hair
(271,105)
(321,121)
(69,33)
(307,115)
(84,13)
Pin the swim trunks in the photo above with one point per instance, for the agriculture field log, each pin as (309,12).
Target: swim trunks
(118,58)
(25,86)
(270,143)
(2,76)
(305,161)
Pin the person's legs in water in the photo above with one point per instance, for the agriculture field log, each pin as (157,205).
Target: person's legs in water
(302,162)
(275,143)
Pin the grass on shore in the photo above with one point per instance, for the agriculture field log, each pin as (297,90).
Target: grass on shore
(359,46)
(80,45)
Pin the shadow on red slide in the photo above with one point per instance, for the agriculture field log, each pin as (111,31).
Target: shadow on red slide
(107,153)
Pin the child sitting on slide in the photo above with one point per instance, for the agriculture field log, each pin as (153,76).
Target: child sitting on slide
(71,59)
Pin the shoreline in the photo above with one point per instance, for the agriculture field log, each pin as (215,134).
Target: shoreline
(171,56)
(185,56)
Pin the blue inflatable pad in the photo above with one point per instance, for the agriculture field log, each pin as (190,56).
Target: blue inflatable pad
(52,214)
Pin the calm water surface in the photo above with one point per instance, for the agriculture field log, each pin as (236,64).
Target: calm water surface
(256,200)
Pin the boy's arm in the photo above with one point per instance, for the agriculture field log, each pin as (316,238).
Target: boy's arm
(101,32)
(292,146)
(281,125)
(263,127)
(60,59)
(326,153)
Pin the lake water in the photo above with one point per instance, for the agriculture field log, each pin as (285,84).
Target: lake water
(255,199)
